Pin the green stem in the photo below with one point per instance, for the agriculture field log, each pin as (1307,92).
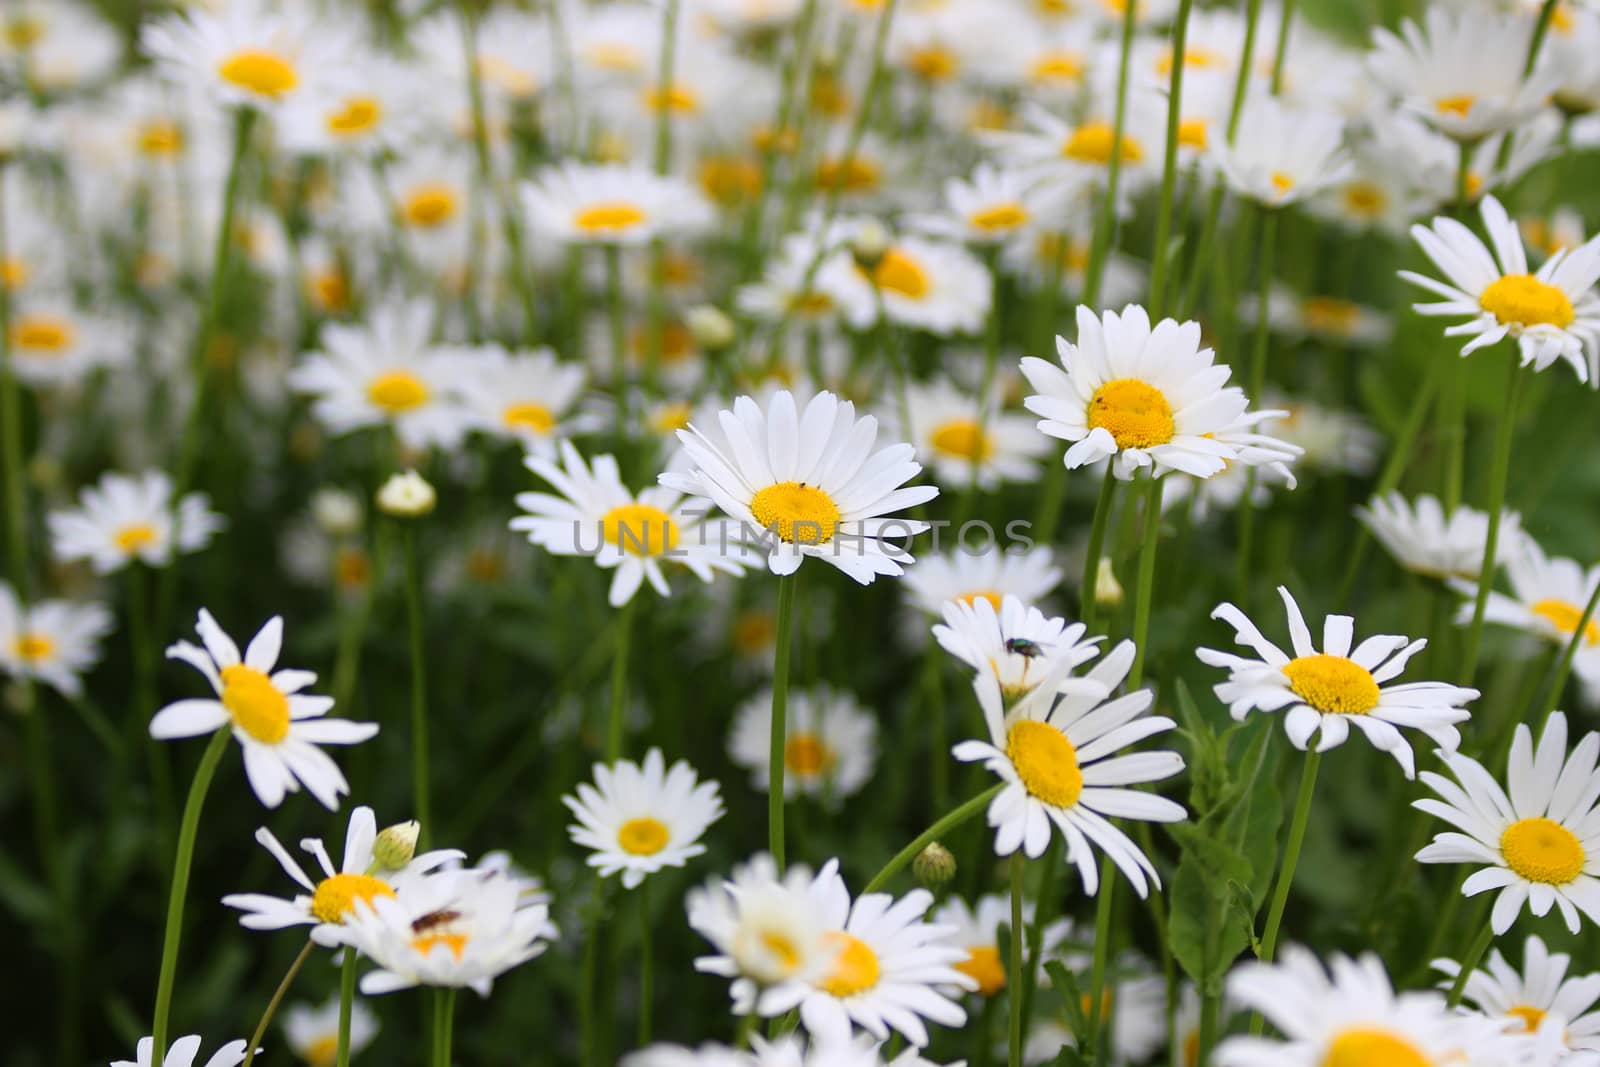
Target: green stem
(277,998)
(1286,21)
(1498,473)
(1018,867)
(1102,955)
(445,1035)
(1147,574)
(903,858)
(11,435)
(646,975)
(180,883)
(347,1000)
(619,683)
(420,791)
(780,719)
(618,325)
(933,683)
(1161,255)
(1106,221)
(1097,539)
(1469,963)
(1291,859)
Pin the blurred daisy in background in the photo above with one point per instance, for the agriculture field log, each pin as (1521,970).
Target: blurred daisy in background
(769,933)
(312,1032)
(247,53)
(992,574)
(55,345)
(579,203)
(641,818)
(1541,994)
(51,641)
(1548,597)
(994,205)
(1282,155)
(1426,541)
(1138,1023)
(183,1053)
(126,518)
(527,396)
(830,749)
(967,439)
(915,282)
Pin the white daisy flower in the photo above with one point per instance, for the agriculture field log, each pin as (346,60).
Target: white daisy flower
(248,53)
(830,750)
(386,371)
(807,483)
(526,396)
(1149,396)
(642,818)
(1282,155)
(976,929)
(992,574)
(1326,318)
(277,726)
(1050,750)
(769,933)
(1539,842)
(1018,646)
(1424,540)
(332,898)
(920,283)
(1352,1015)
(452,929)
(126,518)
(55,344)
(1078,152)
(183,1052)
(636,535)
(1547,599)
(370,104)
(1335,687)
(1551,314)
(579,203)
(50,641)
(1541,991)
(995,205)
(312,1033)
(968,439)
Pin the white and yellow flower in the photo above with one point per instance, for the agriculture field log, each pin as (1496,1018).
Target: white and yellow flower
(768,931)
(577,203)
(1017,645)
(968,440)
(370,104)
(1282,155)
(1424,540)
(250,53)
(51,641)
(992,574)
(1547,599)
(1538,996)
(526,396)
(126,518)
(642,818)
(995,205)
(312,1033)
(55,344)
(919,283)
(830,747)
(183,1052)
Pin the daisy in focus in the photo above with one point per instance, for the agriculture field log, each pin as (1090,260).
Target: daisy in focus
(808,483)
(1538,841)
(768,932)
(990,575)
(278,727)
(312,1033)
(1540,994)
(1019,646)
(639,819)
(131,518)
(53,641)
(1551,314)
(1054,754)
(1426,541)
(183,1053)
(969,441)
(1547,599)
(831,746)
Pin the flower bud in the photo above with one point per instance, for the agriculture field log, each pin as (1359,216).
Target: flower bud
(869,244)
(396,845)
(712,330)
(934,866)
(1107,590)
(406,496)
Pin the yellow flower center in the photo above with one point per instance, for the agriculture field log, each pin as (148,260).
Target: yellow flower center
(1531,1016)
(34,647)
(963,439)
(614,55)
(336,896)
(357,115)
(1193,58)
(1523,300)
(807,755)
(258,707)
(609,216)
(1046,762)
(1365,200)
(1282,183)
(991,595)
(430,205)
(753,633)
(1135,413)
(677,97)
(1330,315)
(398,391)
(643,837)
(1058,66)
(134,536)
(860,176)
(259,71)
(160,137)
(855,969)
(1459,106)
(983,966)
(322,1052)
(45,335)
(329,290)
(781,949)
(529,416)
(24,31)
(1333,684)
(897,272)
(1003,216)
(800,513)
(640,529)
(988,115)
(14,272)
(1360,1047)
(934,63)
(730,180)
(1564,616)
(350,568)
(1195,134)
(1541,850)
(513,80)
(426,943)
(1092,143)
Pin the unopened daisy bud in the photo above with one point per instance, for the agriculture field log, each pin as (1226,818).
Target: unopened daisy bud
(406,496)
(934,866)
(1107,590)
(337,512)
(869,244)
(396,845)
(712,330)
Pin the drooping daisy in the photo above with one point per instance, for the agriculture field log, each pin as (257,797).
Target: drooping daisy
(1018,646)
(386,371)
(1148,396)
(1336,687)
(1539,841)
(807,483)
(313,1032)
(1551,314)
(52,641)
(969,441)
(1547,599)
(248,53)
(992,575)
(277,726)
(525,396)
(640,819)
(769,933)
(125,517)
(182,1054)
(636,534)
(332,899)
(831,746)
(1282,155)
(1424,540)
(1541,990)
(1051,750)
(579,203)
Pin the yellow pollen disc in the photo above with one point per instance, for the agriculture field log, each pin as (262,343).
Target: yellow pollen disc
(1193,58)
(899,273)
(323,1052)
(134,536)
(855,969)
(529,416)
(797,511)
(611,216)
(1373,1048)
(42,334)
(1073,255)
(259,71)
(1474,184)
(430,205)
(1135,413)
(614,55)
(989,115)
(753,633)
(1054,7)
(1564,616)
(935,64)
(671,417)
(1561,20)
(807,755)
(1005,216)
(23,31)
(1194,133)
(1282,182)
(983,966)
(336,896)
(810,304)
(990,595)
(1540,850)
(1058,67)
(677,98)
(258,707)
(1326,314)
(1531,1016)
(1091,143)
(860,176)
(1460,106)
(358,115)
(730,180)
(639,529)
(426,943)
(1046,762)
(34,648)
(330,291)
(828,96)
(1333,684)
(1365,200)
(398,391)
(160,138)
(14,272)
(643,837)
(1523,300)
(963,439)
(782,948)
(350,568)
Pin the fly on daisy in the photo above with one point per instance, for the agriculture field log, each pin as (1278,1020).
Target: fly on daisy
(1019,646)
(641,818)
